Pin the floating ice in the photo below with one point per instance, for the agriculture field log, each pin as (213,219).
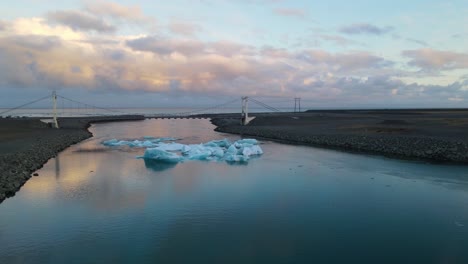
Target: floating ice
(159,150)
(162,155)
(148,142)
(170,147)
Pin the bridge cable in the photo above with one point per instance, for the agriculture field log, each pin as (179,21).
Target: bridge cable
(21,106)
(91,106)
(264,105)
(210,108)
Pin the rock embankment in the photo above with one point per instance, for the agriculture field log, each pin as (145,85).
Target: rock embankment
(397,146)
(17,167)
(25,150)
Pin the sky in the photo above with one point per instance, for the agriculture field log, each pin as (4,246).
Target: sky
(332,54)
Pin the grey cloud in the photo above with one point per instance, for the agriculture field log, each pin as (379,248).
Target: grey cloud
(34,42)
(80,21)
(290,12)
(184,28)
(435,60)
(365,28)
(420,42)
(337,40)
(459,35)
(116,11)
(345,62)
(164,46)
(218,69)
(3,25)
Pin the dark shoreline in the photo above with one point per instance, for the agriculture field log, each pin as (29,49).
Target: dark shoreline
(430,135)
(365,145)
(441,136)
(26,144)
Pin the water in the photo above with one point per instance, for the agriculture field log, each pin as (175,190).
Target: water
(292,205)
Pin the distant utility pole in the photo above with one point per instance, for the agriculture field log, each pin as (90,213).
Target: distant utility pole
(297,104)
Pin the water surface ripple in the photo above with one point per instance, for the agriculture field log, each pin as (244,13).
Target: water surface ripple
(293,205)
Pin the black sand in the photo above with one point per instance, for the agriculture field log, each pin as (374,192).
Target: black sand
(27,143)
(435,135)
(431,135)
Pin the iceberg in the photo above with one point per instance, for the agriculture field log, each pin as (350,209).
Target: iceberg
(161,155)
(250,141)
(147,142)
(159,150)
(170,147)
(203,152)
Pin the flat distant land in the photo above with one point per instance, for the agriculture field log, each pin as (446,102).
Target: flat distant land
(426,134)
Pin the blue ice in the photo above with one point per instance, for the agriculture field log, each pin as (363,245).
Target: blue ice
(159,149)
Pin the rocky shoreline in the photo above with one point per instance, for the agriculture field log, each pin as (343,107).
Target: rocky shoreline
(429,149)
(27,144)
(18,165)
(402,145)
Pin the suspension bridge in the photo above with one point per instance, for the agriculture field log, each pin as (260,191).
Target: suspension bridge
(64,107)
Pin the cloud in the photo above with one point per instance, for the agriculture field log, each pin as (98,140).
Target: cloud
(3,25)
(347,63)
(116,11)
(43,55)
(184,28)
(364,28)
(435,60)
(419,42)
(164,46)
(290,12)
(33,42)
(337,40)
(80,21)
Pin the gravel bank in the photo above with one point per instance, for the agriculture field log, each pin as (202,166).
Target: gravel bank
(422,138)
(27,144)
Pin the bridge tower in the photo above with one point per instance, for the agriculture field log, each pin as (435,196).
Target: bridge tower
(54,99)
(245,110)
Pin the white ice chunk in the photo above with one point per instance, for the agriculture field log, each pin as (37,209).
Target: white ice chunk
(148,142)
(170,147)
(217,150)
(162,156)
(236,158)
(251,141)
(251,151)
(111,142)
(218,143)
(232,150)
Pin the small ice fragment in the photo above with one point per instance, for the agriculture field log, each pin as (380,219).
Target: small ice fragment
(236,158)
(247,141)
(231,150)
(170,146)
(217,150)
(218,143)
(147,144)
(111,142)
(251,151)
(161,155)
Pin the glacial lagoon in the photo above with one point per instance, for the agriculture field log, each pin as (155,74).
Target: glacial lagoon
(291,204)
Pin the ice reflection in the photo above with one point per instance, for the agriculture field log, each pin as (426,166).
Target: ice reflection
(290,200)
(158,166)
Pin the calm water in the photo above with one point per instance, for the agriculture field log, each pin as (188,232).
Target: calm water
(292,205)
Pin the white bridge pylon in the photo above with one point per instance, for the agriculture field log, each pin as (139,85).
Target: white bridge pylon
(245,119)
(54,99)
